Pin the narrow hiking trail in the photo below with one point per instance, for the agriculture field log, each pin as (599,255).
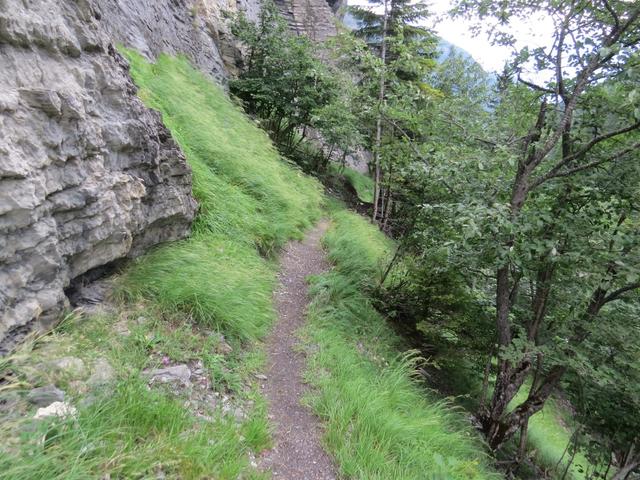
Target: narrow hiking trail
(297,453)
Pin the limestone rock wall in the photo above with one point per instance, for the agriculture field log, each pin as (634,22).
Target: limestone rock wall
(88,175)
(168,26)
(314,18)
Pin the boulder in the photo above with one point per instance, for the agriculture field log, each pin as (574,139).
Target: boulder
(177,373)
(103,373)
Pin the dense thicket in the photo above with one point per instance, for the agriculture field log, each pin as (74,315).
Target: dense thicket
(532,221)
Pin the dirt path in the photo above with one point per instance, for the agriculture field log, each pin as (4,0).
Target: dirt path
(297,454)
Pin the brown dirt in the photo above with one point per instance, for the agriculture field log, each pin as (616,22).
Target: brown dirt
(298,453)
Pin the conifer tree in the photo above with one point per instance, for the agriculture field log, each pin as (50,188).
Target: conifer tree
(406,51)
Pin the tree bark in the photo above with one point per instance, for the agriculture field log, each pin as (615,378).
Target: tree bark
(388,210)
(485,382)
(381,92)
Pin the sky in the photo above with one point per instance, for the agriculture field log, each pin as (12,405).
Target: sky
(533,32)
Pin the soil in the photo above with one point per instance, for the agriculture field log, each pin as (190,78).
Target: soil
(297,453)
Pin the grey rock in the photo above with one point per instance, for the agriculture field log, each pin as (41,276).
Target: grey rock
(45,396)
(223,347)
(56,409)
(68,366)
(103,373)
(10,402)
(260,376)
(88,175)
(178,373)
(239,414)
(313,18)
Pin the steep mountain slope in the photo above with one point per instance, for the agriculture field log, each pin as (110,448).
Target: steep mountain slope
(161,382)
(190,312)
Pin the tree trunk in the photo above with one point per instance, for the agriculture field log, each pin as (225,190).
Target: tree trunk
(522,447)
(576,436)
(387,213)
(500,426)
(631,462)
(381,91)
(485,382)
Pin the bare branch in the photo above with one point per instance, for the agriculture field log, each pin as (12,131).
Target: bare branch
(533,86)
(616,294)
(461,127)
(582,79)
(555,172)
(612,12)
(409,139)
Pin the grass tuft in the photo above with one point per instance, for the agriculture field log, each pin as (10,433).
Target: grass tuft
(362,184)
(133,432)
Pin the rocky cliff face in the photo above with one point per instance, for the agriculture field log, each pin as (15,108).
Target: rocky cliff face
(191,27)
(88,175)
(314,18)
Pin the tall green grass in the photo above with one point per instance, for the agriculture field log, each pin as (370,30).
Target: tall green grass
(251,202)
(362,184)
(381,423)
(133,432)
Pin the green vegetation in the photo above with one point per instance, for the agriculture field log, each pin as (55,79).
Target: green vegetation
(175,304)
(550,433)
(251,202)
(361,183)
(123,428)
(381,423)
(515,260)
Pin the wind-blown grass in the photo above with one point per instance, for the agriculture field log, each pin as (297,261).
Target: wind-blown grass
(251,203)
(132,433)
(362,184)
(380,422)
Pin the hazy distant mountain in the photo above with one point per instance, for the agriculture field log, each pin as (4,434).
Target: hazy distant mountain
(445,48)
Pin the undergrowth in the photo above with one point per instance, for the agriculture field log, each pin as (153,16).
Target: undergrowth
(381,423)
(361,183)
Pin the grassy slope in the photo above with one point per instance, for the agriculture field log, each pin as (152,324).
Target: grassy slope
(174,298)
(548,438)
(381,424)
(251,202)
(362,183)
